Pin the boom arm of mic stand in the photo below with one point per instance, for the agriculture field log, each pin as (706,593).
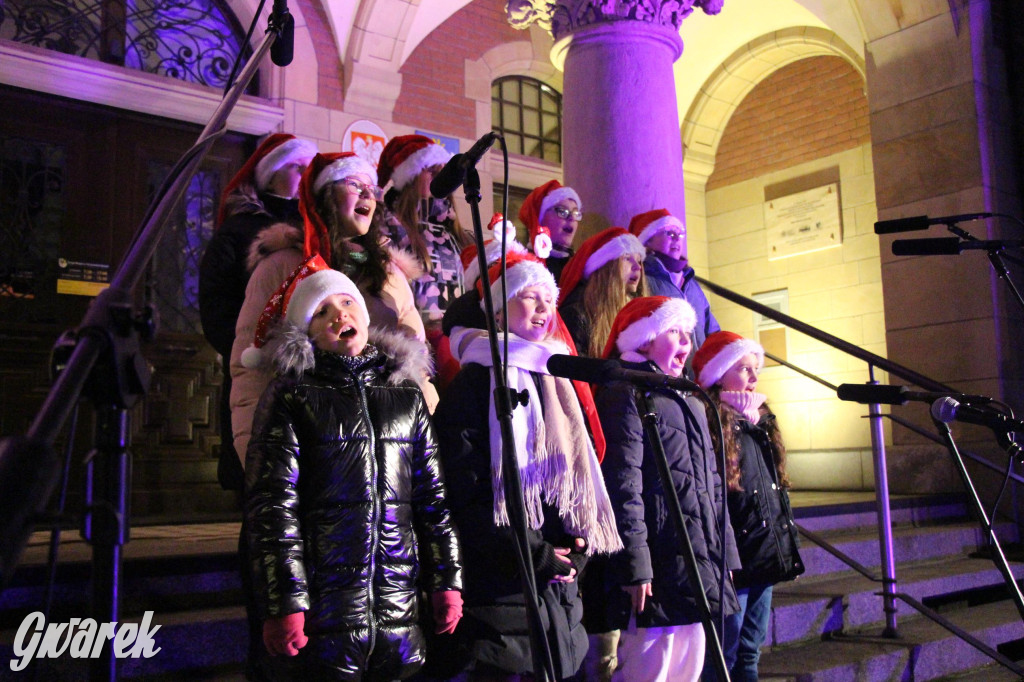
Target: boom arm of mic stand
(649,417)
(543,666)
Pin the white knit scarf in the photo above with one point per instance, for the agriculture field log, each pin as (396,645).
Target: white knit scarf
(557,463)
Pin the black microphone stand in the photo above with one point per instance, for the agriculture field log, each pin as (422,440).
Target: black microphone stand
(543,666)
(996,257)
(649,417)
(998,558)
(108,367)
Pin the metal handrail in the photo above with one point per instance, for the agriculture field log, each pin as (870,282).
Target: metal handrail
(889,592)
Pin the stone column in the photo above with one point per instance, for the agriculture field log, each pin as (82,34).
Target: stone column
(621,146)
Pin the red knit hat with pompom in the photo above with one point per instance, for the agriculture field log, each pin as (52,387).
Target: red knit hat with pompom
(273,153)
(536,205)
(323,170)
(641,320)
(405,156)
(595,252)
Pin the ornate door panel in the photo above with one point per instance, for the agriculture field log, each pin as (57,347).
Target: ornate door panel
(75,181)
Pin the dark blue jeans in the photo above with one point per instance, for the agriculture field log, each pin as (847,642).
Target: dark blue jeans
(745,632)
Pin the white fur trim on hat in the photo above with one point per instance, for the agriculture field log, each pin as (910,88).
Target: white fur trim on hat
(492,252)
(519,276)
(554,196)
(657,226)
(284,153)
(431,155)
(671,313)
(343,168)
(717,366)
(315,288)
(620,246)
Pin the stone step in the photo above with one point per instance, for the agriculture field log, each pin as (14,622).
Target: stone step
(910,542)
(808,609)
(923,651)
(822,511)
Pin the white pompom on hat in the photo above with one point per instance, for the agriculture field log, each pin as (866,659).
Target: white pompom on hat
(719,352)
(641,321)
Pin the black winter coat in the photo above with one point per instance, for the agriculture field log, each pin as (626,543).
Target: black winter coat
(762,519)
(347,515)
(223,275)
(493,629)
(652,550)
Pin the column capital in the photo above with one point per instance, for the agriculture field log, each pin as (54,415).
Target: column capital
(563,17)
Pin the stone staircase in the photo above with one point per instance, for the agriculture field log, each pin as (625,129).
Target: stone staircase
(828,624)
(825,626)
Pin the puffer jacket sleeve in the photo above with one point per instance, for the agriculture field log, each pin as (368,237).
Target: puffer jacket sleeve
(438,541)
(272,504)
(623,476)
(247,385)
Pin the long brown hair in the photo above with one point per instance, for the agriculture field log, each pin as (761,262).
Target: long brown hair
(730,430)
(603,297)
(411,210)
(371,274)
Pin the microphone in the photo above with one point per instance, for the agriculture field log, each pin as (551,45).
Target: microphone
(281,21)
(454,172)
(922,222)
(943,246)
(949,409)
(897,395)
(950,246)
(599,371)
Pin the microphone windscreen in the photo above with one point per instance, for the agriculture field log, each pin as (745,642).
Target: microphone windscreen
(942,246)
(870,394)
(589,370)
(918,222)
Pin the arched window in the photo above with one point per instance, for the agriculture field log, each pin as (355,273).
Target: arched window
(528,113)
(191,40)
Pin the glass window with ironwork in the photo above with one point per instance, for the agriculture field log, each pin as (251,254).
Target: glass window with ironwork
(191,40)
(528,114)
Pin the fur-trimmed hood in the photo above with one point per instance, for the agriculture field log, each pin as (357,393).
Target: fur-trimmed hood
(281,236)
(274,238)
(405,357)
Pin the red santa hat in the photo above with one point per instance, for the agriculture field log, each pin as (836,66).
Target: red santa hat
(641,320)
(272,154)
(492,248)
(521,270)
(596,252)
(295,302)
(646,225)
(323,170)
(405,156)
(536,205)
(720,351)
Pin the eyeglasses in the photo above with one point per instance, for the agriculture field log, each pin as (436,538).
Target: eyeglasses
(361,189)
(564,213)
(673,235)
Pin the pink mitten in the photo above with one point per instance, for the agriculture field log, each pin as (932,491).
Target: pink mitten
(447,606)
(284,636)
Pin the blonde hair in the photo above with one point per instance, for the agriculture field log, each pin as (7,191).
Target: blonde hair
(604,294)
(411,210)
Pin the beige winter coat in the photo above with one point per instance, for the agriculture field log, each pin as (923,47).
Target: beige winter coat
(273,256)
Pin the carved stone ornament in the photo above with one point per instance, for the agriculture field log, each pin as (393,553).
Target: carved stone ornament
(565,16)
